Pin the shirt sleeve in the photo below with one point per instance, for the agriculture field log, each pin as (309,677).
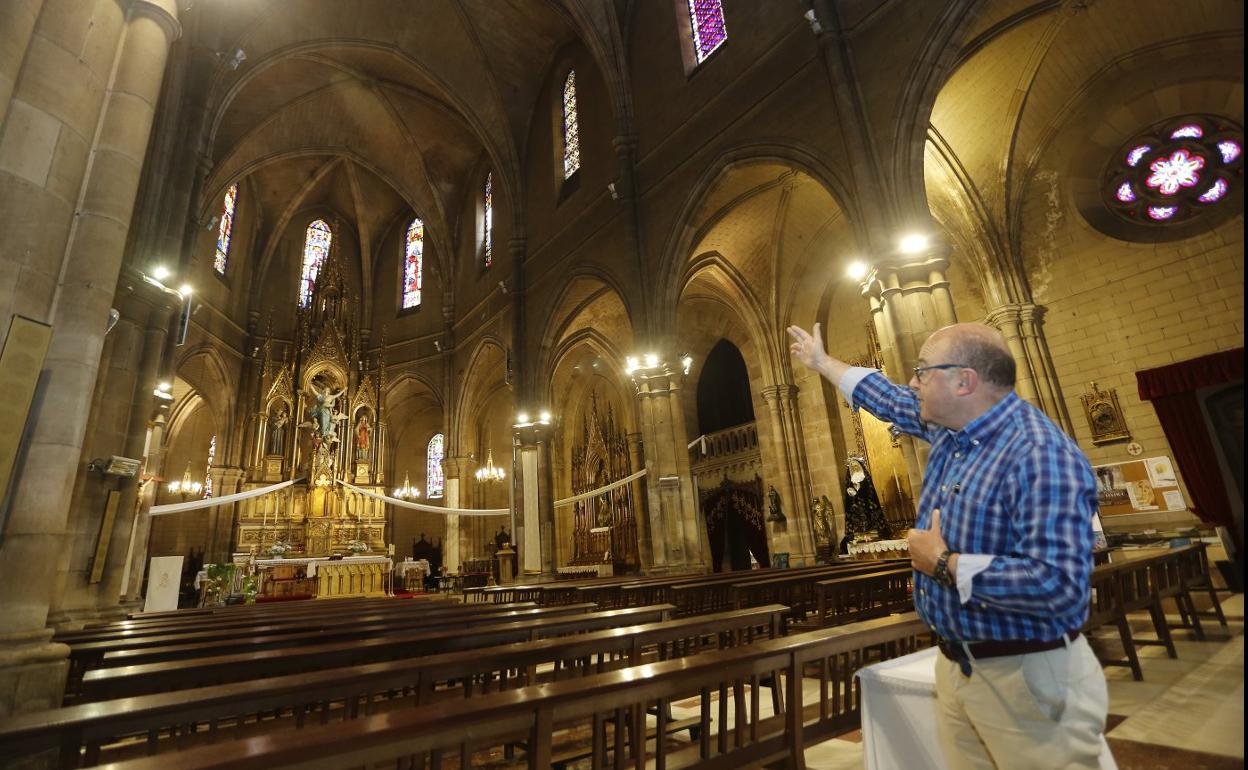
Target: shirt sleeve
(970,565)
(886,400)
(1047,572)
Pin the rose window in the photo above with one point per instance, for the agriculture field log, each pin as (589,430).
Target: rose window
(1176,171)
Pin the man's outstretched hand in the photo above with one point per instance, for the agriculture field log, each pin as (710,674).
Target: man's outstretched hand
(808,348)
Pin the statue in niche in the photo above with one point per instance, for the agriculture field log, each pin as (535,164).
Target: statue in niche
(773,505)
(361,437)
(863,512)
(821,521)
(277,430)
(501,538)
(322,412)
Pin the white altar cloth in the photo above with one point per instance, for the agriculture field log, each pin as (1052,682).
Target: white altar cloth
(312,562)
(877,546)
(899,715)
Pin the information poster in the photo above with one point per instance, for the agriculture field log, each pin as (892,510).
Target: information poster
(163,578)
(1138,486)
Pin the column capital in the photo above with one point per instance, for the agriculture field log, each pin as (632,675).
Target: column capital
(779,393)
(531,434)
(163,12)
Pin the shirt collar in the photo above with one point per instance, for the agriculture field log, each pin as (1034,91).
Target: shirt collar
(984,426)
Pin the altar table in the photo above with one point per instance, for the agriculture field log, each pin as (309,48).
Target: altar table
(899,715)
(337,578)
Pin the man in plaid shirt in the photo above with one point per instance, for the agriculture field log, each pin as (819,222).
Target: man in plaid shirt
(1002,551)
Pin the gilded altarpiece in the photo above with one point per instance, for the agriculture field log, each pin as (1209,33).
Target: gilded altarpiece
(604,527)
(320,420)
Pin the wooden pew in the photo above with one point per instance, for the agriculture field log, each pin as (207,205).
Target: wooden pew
(107,683)
(792,587)
(1108,608)
(856,597)
(536,713)
(77,733)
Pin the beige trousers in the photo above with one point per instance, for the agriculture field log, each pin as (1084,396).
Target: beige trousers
(1044,710)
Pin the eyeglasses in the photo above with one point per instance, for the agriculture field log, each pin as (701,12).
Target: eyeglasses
(920,371)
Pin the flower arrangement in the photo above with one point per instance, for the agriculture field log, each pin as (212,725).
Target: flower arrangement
(357,546)
(280,548)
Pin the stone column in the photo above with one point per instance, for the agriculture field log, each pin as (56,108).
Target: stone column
(637,461)
(74,139)
(123,403)
(676,533)
(455,468)
(536,518)
(909,299)
(226,480)
(17,25)
(790,457)
(154,469)
(1022,326)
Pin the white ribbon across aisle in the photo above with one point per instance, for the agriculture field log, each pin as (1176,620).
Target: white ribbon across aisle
(488,511)
(208,502)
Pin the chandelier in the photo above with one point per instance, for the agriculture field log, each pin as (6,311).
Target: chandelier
(490,473)
(407,491)
(185,486)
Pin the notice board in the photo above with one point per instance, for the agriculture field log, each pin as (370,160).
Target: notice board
(1138,486)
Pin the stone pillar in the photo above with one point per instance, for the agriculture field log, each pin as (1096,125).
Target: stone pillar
(123,403)
(17,25)
(226,480)
(909,299)
(455,468)
(536,518)
(1022,326)
(790,457)
(676,532)
(637,461)
(154,469)
(75,135)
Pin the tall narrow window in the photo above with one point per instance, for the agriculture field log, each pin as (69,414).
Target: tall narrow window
(571,134)
(315,251)
(487,238)
(212,456)
(706,17)
(413,263)
(435,482)
(226,230)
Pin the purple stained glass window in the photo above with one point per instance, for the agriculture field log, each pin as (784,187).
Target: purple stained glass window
(1181,169)
(316,243)
(1137,154)
(413,263)
(1215,193)
(435,481)
(1165,174)
(571,130)
(225,230)
(487,233)
(706,17)
(1187,131)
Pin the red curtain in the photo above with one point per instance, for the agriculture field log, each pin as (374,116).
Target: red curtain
(1172,389)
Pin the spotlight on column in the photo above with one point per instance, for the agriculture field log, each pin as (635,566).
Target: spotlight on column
(631,364)
(162,391)
(522,418)
(858,270)
(912,243)
(652,360)
(160,272)
(544,418)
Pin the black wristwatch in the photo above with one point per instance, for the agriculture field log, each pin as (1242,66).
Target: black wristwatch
(941,571)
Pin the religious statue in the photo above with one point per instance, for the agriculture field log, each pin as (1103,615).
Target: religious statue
(322,412)
(820,522)
(773,505)
(501,538)
(361,437)
(277,430)
(863,512)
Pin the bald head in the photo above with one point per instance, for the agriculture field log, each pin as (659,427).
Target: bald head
(981,348)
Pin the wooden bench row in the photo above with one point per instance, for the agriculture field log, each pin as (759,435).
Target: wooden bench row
(538,715)
(170,721)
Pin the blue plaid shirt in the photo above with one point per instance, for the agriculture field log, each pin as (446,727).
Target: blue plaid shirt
(1012,485)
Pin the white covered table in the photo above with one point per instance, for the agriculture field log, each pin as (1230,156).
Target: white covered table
(899,715)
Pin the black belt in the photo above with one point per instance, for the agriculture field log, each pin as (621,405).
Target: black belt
(956,651)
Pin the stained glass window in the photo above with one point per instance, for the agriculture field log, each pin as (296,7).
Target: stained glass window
(315,251)
(413,263)
(212,456)
(225,230)
(435,482)
(487,232)
(1175,170)
(706,18)
(571,133)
